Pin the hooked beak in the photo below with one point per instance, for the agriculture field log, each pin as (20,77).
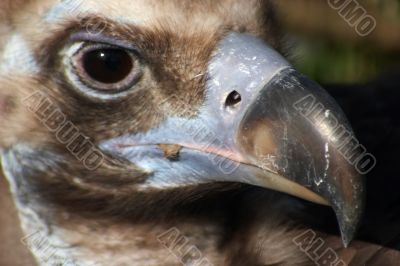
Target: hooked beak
(262,123)
(291,129)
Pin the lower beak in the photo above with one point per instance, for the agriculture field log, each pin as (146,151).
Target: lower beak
(262,123)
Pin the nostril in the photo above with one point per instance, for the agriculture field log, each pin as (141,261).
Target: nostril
(234,98)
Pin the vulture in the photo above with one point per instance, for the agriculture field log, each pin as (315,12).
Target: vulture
(172,132)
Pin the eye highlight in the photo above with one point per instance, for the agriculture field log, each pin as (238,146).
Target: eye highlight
(103,69)
(107,66)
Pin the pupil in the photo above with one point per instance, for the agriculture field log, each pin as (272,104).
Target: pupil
(108,65)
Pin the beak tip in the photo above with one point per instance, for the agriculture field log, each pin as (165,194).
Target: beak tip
(347,233)
(348,223)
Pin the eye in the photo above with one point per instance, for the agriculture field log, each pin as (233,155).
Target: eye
(105,69)
(108,66)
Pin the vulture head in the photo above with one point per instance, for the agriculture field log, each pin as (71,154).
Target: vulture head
(124,119)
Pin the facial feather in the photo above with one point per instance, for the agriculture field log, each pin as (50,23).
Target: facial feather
(176,39)
(177,54)
(18,125)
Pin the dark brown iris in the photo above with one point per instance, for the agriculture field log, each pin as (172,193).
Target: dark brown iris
(108,65)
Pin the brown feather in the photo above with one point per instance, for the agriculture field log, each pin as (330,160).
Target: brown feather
(12,251)
(101,213)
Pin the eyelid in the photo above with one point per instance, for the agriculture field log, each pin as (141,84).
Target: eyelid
(69,54)
(89,46)
(84,36)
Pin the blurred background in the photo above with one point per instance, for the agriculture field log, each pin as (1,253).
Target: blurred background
(330,51)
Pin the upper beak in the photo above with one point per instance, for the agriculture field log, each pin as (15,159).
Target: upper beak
(264,124)
(291,129)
